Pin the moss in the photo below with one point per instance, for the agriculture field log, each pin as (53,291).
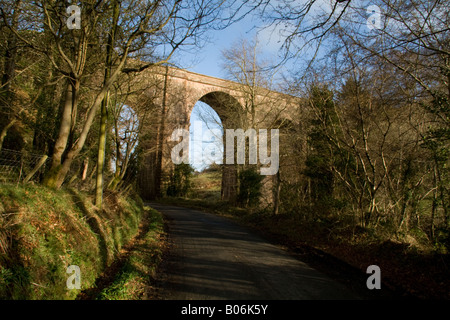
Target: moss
(52,229)
(137,272)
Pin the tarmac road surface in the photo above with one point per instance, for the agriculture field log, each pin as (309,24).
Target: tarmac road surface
(214,258)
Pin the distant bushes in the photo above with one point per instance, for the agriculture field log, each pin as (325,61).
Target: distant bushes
(250,185)
(180,180)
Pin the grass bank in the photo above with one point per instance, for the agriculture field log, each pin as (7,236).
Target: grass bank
(43,231)
(133,275)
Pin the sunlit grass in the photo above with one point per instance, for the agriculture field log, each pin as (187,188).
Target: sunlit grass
(135,276)
(43,231)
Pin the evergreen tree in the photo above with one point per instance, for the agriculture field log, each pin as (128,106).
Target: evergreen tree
(320,148)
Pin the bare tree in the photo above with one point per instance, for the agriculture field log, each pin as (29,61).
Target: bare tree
(130,110)
(104,105)
(263,108)
(413,37)
(11,48)
(148,31)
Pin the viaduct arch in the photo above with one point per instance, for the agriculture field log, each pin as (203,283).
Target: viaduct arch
(173,93)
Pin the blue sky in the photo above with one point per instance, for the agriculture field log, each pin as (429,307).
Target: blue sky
(207,61)
(205,138)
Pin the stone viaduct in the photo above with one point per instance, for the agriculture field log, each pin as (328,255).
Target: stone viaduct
(173,93)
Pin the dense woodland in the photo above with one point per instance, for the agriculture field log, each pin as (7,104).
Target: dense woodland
(367,148)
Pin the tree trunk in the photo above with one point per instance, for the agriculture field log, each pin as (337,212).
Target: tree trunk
(276,203)
(104,111)
(229,183)
(9,72)
(101,154)
(85,169)
(51,178)
(160,142)
(10,54)
(57,174)
(5,131)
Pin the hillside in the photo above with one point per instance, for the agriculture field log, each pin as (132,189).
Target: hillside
(43,231)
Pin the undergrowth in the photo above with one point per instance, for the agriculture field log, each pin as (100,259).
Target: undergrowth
(43,231)
(134,279)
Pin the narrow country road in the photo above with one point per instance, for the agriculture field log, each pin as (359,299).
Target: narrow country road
(213,258)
